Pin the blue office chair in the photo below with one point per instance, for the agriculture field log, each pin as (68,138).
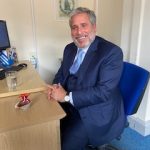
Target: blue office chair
(132,85)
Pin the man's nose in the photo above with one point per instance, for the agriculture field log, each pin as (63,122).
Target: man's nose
(79,30)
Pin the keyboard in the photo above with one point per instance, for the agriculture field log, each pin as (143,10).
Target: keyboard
(12,68)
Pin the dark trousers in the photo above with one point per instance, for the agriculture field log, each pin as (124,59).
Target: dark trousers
(73,133)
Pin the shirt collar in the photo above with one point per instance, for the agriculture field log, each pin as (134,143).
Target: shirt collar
(85,49)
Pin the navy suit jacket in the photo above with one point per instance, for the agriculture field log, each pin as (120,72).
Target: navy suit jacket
(95,93)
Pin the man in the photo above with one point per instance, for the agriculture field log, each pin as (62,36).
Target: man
(88,89)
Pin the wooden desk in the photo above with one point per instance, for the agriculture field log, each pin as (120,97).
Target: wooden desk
(36,128)
(30,82)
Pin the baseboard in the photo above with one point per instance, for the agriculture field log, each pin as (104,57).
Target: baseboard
(139,125)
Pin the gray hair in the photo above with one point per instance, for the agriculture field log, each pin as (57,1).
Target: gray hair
(80,10)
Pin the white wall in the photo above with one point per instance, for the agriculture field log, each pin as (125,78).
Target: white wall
(52,35)
(19,21)
(110,19)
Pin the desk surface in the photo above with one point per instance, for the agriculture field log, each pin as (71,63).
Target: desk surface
(41,110)
(30,82)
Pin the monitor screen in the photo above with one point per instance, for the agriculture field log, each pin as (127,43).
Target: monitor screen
(4,38)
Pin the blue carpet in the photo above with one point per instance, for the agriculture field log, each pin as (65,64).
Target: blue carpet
(132,140)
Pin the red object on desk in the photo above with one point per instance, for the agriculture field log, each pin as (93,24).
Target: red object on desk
(24,99)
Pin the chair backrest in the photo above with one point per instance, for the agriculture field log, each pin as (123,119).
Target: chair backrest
(132,85)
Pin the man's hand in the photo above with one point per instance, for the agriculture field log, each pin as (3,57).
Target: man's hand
(56,92)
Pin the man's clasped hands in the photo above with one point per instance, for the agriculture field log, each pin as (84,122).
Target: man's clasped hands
(56,92)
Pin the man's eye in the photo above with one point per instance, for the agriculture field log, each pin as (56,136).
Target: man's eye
(84,25)
(73,27)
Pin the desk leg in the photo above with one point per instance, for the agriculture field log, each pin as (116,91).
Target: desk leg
(45,136)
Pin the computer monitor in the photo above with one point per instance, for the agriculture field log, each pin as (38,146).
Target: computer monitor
(4,37)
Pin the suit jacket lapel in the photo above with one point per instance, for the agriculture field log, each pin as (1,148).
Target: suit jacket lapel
(71,58)
(71,55)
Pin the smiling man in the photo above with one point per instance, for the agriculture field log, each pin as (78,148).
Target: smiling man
(86,86)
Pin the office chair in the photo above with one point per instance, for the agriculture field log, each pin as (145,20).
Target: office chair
(132,85)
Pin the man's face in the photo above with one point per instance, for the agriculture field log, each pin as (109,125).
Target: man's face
(82,31)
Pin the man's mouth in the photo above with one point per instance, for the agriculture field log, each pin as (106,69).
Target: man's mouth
(81,37)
